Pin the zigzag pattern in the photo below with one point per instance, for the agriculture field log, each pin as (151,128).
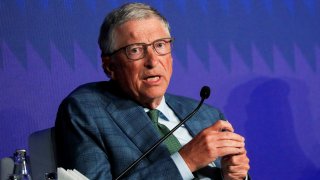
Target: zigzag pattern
(222,24)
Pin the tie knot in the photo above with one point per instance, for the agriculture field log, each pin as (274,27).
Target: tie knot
(153,114)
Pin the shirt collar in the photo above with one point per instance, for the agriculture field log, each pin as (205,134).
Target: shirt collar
(163,107)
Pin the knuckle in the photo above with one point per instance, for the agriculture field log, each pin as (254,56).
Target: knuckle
(233,161)
(207,147)
(225,135)
(210,151)
(218,123)
(232,169)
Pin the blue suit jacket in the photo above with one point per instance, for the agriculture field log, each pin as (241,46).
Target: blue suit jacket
(100,133)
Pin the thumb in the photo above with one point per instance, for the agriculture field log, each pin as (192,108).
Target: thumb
(222,126)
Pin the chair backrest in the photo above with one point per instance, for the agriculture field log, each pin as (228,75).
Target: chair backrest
(42,153)
(6,167)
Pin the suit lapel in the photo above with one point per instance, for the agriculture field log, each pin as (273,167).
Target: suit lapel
(136,125)
(182,110)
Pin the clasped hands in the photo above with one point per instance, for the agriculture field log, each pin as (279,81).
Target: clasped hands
(212,143)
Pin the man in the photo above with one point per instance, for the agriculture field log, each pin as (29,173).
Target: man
(103,127)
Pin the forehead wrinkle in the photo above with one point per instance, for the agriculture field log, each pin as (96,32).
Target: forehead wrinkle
(139,35)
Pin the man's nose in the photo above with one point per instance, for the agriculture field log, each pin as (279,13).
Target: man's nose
(152,57)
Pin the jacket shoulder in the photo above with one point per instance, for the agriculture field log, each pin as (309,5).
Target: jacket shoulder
(190,104)
(95,91)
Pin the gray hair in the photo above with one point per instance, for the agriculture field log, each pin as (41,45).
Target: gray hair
(127,12)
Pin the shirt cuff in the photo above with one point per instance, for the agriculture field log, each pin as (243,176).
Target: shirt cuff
(182,166)
(246,177)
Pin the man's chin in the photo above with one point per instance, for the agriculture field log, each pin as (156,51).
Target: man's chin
(154,96)
(151,98)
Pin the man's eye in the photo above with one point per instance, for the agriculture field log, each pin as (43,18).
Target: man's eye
(135,50)
(160,44)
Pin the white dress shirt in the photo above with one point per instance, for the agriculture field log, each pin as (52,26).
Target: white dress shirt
(169,119)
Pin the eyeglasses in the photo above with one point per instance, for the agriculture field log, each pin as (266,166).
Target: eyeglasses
(139,50)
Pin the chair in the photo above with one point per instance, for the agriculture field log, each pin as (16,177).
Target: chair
(42,153)
(6,167)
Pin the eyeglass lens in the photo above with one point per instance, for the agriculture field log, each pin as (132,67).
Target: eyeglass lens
(138,51)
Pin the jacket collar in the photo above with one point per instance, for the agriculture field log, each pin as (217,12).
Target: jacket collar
(136,125)
(182,110)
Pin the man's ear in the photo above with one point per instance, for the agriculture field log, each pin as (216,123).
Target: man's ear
(108,66)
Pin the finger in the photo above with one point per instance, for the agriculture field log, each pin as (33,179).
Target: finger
(234,176)
(244,168)
(236,171)
(243,165)
(230,136)
(227,129)
(222,125)
(243,153)
(235,160)
(229,143)
(225,151)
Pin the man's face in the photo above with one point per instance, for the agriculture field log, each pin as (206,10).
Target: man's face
(147,79)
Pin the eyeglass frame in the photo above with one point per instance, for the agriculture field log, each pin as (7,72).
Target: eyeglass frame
(145,46)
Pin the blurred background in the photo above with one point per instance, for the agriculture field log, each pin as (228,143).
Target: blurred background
(261,59)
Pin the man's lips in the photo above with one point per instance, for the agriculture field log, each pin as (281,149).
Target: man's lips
(152,79)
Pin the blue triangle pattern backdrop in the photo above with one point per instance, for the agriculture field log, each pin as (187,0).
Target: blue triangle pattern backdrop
(261,59)
(263,23)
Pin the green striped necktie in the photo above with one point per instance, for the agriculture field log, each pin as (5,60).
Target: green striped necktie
(171,142)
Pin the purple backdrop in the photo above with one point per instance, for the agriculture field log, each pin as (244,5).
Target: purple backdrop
(261,59)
